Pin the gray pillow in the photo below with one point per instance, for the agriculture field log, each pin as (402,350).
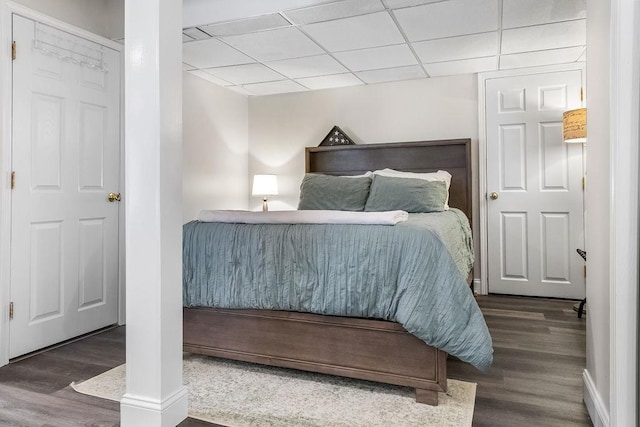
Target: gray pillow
(407,194)
(339,193)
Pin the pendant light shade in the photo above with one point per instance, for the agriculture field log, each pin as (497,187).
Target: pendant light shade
(574,125)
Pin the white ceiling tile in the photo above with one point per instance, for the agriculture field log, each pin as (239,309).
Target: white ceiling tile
(397,4)
(273,45)
(541,37)
(464,66)
(245,74)
(212,53)
(309,66)
(209,77)
(326,82)
(239,89)
(359,32)
(271,88)
(545,57)
(250,25)
(391,74)
(195,34)
(448,18)
(199,12)
(337,10)
(522,13)
(259,49)
(463,47)
(377,57)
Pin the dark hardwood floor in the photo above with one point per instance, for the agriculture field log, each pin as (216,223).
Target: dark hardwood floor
(539,356)
(536,378)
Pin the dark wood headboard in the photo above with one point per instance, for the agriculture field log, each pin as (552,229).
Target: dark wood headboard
(452,155)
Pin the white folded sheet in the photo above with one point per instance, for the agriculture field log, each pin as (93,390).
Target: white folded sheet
(303,217)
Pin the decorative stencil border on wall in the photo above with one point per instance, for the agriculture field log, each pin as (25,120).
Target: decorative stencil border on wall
(337,137)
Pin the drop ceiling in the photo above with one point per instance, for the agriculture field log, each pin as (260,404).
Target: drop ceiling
(258,47)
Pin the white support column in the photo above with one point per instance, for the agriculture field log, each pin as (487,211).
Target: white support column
(153,155)
(625,212)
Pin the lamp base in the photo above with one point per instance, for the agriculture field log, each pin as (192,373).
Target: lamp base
(265,206)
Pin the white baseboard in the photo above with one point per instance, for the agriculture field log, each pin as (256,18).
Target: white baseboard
(477,287)
(136,411)
(595,405)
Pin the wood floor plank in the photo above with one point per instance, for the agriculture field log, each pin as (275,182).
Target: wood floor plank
(27,408)
(513,313)
(491,412)
(536,377)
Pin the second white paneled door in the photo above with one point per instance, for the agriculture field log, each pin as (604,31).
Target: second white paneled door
(534,187)
(66,158)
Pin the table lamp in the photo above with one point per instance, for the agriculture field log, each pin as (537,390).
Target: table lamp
(263,186)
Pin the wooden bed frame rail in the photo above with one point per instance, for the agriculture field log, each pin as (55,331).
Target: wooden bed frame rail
(371,350)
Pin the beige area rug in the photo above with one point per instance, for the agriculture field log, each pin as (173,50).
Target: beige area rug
(238,394)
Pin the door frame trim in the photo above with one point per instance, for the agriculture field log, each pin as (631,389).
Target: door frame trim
(8,9)
(483,287)
(624,212)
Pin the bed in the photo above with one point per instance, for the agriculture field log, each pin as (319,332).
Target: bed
(363,348)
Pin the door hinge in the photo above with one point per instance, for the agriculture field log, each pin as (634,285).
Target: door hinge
(13,180)
(11,310)
(584,182)
(585,270)
(13,51)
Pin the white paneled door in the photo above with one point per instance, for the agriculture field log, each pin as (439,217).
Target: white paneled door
(534,187)
(66,159)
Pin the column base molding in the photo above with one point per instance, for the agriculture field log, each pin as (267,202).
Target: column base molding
(142,411)
(594,403)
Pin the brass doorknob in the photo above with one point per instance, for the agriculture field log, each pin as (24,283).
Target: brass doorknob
(113,197)
(493,195)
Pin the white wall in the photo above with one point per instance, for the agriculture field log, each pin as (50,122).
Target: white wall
(115,19)
(597,199)
(281,126)
(215,147)
(86,14)
(102,17)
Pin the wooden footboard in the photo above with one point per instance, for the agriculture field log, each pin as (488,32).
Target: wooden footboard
(366,349)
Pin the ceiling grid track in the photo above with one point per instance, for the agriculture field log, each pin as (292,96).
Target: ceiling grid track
(358,42)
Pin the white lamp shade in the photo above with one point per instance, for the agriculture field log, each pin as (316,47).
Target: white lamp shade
(265,185)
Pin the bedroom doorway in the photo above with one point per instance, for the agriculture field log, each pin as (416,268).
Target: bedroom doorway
(534,186)
(65,161)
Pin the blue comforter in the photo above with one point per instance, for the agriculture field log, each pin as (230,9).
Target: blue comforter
(403,273)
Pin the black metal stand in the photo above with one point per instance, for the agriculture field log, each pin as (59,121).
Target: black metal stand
(583,254)
(581,308)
